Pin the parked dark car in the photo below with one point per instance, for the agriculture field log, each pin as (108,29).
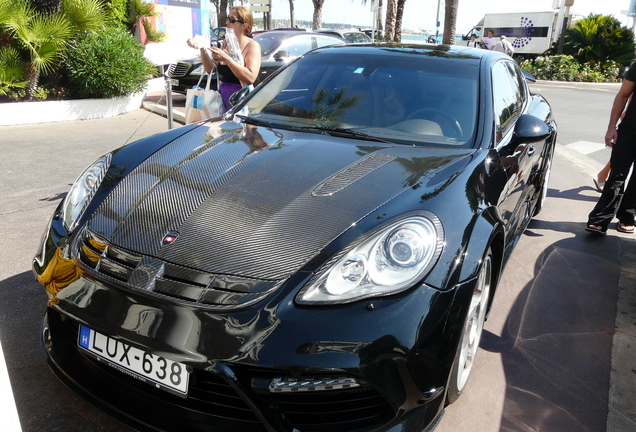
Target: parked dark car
(322,258)
(217,34)
(348,35)
(277,49)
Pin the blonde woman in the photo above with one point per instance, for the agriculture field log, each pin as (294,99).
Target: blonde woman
(233,74)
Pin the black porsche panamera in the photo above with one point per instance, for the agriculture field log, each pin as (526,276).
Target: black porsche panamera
(322,258)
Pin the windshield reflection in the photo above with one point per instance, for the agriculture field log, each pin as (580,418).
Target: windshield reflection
(414,100)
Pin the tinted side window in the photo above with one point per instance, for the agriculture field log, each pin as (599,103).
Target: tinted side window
(520,82)
(322,41)
(507,97)
(298,45)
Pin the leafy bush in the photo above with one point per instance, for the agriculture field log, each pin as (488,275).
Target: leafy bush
(12,71)
(107,63)
(566,68)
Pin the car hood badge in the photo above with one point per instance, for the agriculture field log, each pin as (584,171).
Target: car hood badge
(169,238)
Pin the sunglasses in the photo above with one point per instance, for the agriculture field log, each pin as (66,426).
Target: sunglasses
(232,20)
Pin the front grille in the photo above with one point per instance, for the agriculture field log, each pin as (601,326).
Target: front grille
(338,411)
(180,70)
(179,283)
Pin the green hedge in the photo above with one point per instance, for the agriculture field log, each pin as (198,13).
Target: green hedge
(566,68)
(107,63)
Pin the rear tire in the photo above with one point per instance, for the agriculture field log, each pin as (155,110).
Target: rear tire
(471,332)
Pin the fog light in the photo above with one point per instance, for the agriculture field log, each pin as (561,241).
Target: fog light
(288,385)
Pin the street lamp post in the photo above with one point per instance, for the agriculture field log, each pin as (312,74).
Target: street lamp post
(439,2)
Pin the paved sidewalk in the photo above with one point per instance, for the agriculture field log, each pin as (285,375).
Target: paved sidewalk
(622,394)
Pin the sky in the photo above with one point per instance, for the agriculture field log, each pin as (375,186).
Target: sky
(421,14)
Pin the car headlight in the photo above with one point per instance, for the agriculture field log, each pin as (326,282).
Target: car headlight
(82,192)
(389,261)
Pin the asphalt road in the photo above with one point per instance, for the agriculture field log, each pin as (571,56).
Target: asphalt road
(545,362)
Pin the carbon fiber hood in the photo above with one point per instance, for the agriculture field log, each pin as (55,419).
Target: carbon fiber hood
(255,202)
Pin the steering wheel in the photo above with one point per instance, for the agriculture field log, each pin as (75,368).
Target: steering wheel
(430,113)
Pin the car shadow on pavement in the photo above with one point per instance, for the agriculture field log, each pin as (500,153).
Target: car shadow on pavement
(44,404)
(556,344)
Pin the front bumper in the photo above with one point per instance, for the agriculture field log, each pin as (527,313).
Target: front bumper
(399,348)
(218,400)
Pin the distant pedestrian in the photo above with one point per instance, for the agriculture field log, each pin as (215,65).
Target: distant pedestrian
(473,42)
(504,46)
(489,41)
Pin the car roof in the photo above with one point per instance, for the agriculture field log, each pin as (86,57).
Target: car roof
(281,35)
(339,31)
(441,51)
(290,33)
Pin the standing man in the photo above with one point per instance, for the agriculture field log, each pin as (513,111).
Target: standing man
(504,46)
(622,140)
(489,41)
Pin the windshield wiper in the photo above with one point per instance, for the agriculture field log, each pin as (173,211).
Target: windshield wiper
(345,132)
(252,120)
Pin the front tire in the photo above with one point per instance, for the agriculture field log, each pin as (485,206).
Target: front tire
(471,332)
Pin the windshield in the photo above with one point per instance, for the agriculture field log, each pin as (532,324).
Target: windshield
(406,99)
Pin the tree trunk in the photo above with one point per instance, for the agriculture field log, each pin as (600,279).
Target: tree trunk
(317,14)
(291,14)
(33,76)
(450,22)
(391,12)
(222,12)
(398,20)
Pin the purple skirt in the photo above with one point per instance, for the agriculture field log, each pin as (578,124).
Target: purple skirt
(227,90)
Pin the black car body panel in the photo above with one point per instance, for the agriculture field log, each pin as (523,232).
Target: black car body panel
(199,244)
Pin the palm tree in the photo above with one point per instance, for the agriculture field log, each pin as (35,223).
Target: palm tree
(391,15)
(222,15)
(317,21)
(398,21)
(598,39)
(450,21)
(42,37)
(291,13)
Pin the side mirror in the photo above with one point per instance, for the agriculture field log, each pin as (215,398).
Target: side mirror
(280,55)
(531,129)
(528,76)
(239,95)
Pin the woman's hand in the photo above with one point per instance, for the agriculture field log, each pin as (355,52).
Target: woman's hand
(192,43)
(219,54)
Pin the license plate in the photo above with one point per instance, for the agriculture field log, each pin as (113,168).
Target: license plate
(150,368)
(174,83)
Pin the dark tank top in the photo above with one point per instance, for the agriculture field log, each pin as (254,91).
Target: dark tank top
(227,75)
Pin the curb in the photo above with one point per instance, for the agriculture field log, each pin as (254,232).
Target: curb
(19,113)
(157,108)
